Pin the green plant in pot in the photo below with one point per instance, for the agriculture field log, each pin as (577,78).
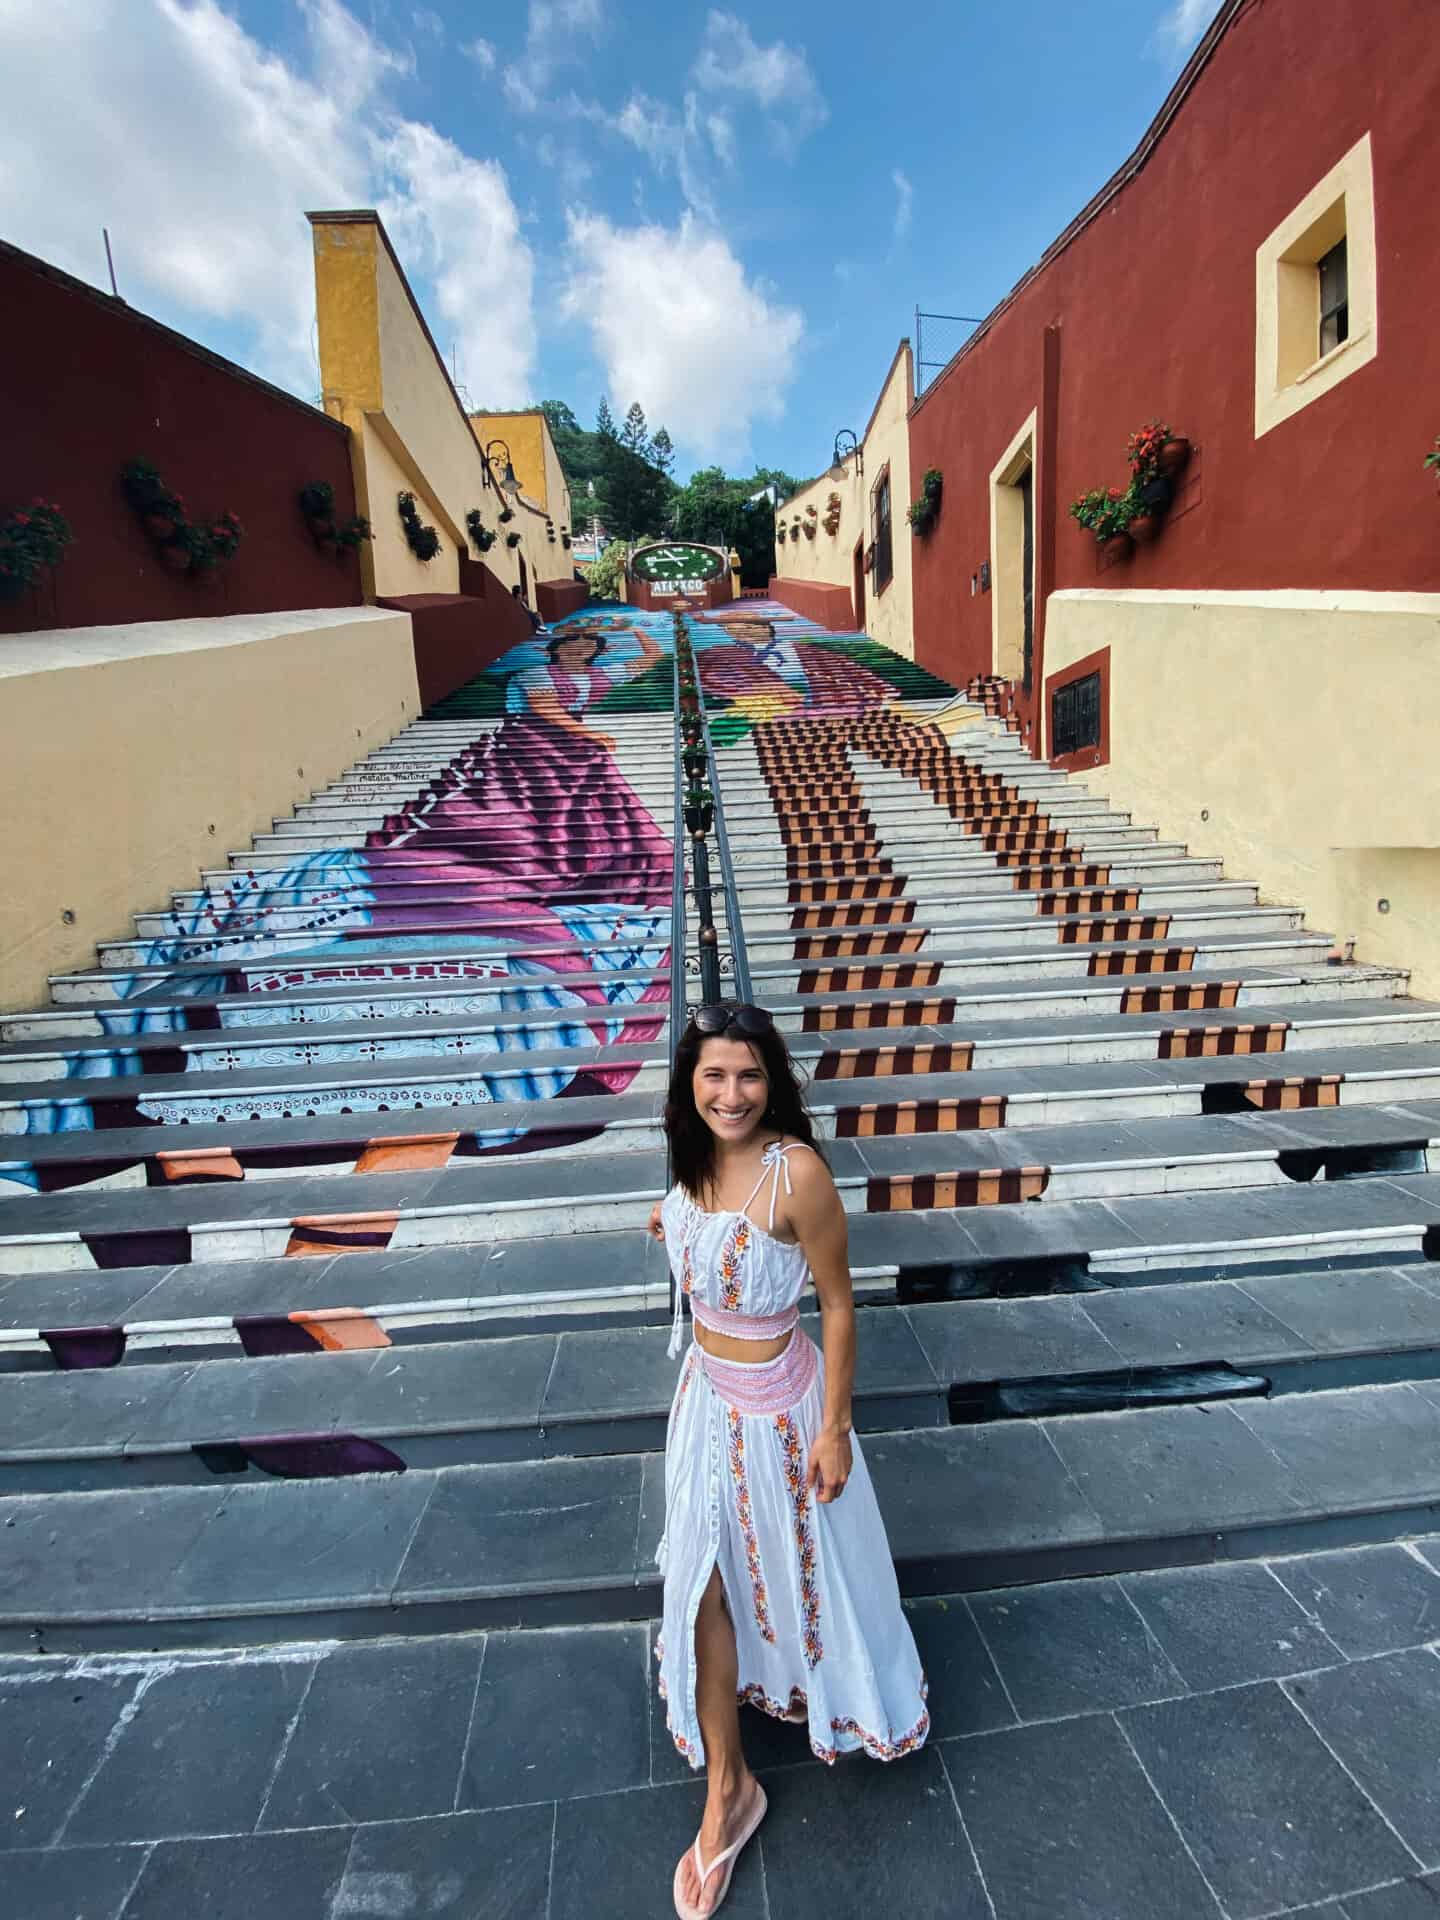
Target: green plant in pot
(694,760)
(317,504)
(922,513)
(31,539)
(160,509)
(482,536)
(699,809)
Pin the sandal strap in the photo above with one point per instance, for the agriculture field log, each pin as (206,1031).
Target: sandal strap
(720,1858)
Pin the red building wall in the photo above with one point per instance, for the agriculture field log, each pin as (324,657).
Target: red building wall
(1151,310)
(827,605)
(85,385)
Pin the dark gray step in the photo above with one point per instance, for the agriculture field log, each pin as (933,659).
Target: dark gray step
(442,1292)
(555,1395)
(544,1194)
(30,1069)
(413,970)
(573,1539)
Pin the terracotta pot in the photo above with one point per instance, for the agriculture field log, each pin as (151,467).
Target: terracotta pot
(175,558)
(1117,547)
(322,528)
(1173,455)
(159,526)
(1143,528)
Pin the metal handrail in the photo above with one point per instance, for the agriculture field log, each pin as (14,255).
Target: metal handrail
(677,883)
(739,961)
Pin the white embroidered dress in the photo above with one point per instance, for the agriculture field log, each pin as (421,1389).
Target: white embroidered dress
(810,1588)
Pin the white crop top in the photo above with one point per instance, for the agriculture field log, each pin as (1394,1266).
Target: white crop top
(727,1261)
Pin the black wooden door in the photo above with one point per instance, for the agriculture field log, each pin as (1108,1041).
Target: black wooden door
(1027,502)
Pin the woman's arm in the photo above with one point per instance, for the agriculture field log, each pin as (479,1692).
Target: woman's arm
(650,652)
(817,1219)
(546,702)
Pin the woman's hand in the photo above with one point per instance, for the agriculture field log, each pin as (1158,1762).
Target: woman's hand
(652,1225)
(830,1463)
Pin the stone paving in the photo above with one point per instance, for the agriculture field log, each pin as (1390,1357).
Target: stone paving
(1248,1739)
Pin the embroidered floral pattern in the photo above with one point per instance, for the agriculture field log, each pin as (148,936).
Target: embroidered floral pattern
(804,1538)
(855,1735)
(736,1424)
(731,1255)
(687,1270)
(687,1375)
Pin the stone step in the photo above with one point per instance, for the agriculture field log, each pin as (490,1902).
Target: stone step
(956,931)
(965,1507)
(270,1305)
(948,966)
(325,1003)
(578,1393)
(538,1195)
(1287,1029)
(299,910)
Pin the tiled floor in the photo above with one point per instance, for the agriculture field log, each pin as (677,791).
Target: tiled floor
(1238,1740)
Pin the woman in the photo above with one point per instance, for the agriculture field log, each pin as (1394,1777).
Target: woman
(779,1588)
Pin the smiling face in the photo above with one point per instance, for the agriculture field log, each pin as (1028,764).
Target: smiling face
(731,1089)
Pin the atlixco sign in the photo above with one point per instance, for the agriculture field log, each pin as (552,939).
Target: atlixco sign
(678,565)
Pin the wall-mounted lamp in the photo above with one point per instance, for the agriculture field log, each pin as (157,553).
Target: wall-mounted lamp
(507,478)
(842,453)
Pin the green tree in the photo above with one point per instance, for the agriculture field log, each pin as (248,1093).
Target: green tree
(662,452)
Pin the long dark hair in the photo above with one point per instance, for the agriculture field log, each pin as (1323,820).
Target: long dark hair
(692,1145)
(596,638)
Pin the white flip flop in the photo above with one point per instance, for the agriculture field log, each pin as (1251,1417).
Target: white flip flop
(726,1860)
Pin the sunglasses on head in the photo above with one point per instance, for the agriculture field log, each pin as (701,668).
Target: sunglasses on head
(751,1021)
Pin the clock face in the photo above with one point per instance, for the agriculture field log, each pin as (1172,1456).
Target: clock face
(672,563)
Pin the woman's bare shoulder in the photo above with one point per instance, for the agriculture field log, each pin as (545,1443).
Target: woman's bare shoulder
(808,1172)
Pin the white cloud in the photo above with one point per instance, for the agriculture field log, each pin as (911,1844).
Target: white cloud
(429,22)
(482,52)
(554,30)
(1183,23)
(202,150)
(672,142)
(776,78)
(721,130)
(677,326)
(904,203)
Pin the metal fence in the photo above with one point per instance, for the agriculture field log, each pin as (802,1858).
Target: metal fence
(938,338)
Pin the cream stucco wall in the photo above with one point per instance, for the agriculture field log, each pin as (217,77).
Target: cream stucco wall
(1290,733)
(831,557)
(131,757)
(382,375)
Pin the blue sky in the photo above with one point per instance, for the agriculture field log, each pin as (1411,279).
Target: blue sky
(728,213)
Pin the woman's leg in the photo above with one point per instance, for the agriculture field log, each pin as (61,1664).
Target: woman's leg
(731,1784)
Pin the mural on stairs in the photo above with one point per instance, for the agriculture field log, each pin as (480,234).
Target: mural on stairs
(529,843)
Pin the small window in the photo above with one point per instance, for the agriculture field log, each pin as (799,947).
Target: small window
(1075,716)
(1334,299)
(884,560)
(1315,292)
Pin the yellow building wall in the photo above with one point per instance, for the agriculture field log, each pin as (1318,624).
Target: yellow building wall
(381,374)
(830,558)
(525,434)
(542,484)
(131,757)
(1289,733)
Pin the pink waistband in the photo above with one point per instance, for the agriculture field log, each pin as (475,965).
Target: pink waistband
(771,1387)
(744,1326)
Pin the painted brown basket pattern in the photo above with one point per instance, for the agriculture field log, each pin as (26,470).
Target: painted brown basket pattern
(898,1119)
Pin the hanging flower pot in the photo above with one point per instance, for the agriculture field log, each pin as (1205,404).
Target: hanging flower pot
(176,557)
(1173,454)
(1143,528)
(694,762)
(1117,547)
(512,539)
(159,526)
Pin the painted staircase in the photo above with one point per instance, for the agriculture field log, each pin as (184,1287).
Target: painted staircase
(325,1305)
